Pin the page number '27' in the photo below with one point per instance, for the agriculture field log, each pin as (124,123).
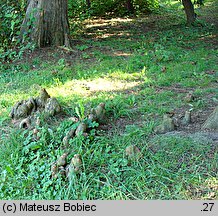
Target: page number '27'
(207,207)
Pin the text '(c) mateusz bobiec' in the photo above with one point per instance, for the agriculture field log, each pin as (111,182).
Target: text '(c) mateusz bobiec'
(63,207)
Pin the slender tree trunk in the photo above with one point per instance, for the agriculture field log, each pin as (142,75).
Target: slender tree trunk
(189,10)
(129,6)
(88,2)
(46,23)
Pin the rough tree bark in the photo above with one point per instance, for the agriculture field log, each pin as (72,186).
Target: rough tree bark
(46,23)
(189,10)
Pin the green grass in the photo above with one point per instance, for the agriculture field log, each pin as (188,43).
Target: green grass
(123,67)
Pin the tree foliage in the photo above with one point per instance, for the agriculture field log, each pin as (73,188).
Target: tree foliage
(11,18)
(11,15)
(109,7)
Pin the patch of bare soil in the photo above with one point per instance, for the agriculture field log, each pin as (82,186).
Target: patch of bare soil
(119,125)
(96,30)
(193,129)
(206,137)
(52,55)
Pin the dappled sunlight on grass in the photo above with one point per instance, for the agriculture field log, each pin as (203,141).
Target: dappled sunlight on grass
(123,54)
(106,35)
(86,84)
(211,188)
(86,88)
(8,99)
(134,76)
(106,22)
(106,28)
(206,189)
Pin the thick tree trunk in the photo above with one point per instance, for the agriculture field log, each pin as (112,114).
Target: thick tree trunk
(189,10)
(46,23)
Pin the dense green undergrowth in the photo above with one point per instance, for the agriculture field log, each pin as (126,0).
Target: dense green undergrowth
(141,68)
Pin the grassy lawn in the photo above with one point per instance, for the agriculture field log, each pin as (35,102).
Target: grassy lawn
(141,68)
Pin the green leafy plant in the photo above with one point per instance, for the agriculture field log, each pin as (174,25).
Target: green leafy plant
(11,17)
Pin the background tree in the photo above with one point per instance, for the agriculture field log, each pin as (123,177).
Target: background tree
(189,10)
(129,6)
(46,23)
(88,2)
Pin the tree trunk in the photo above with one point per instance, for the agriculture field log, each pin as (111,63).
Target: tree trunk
(189,10)
(88,2)
(46,23)
(129,6)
